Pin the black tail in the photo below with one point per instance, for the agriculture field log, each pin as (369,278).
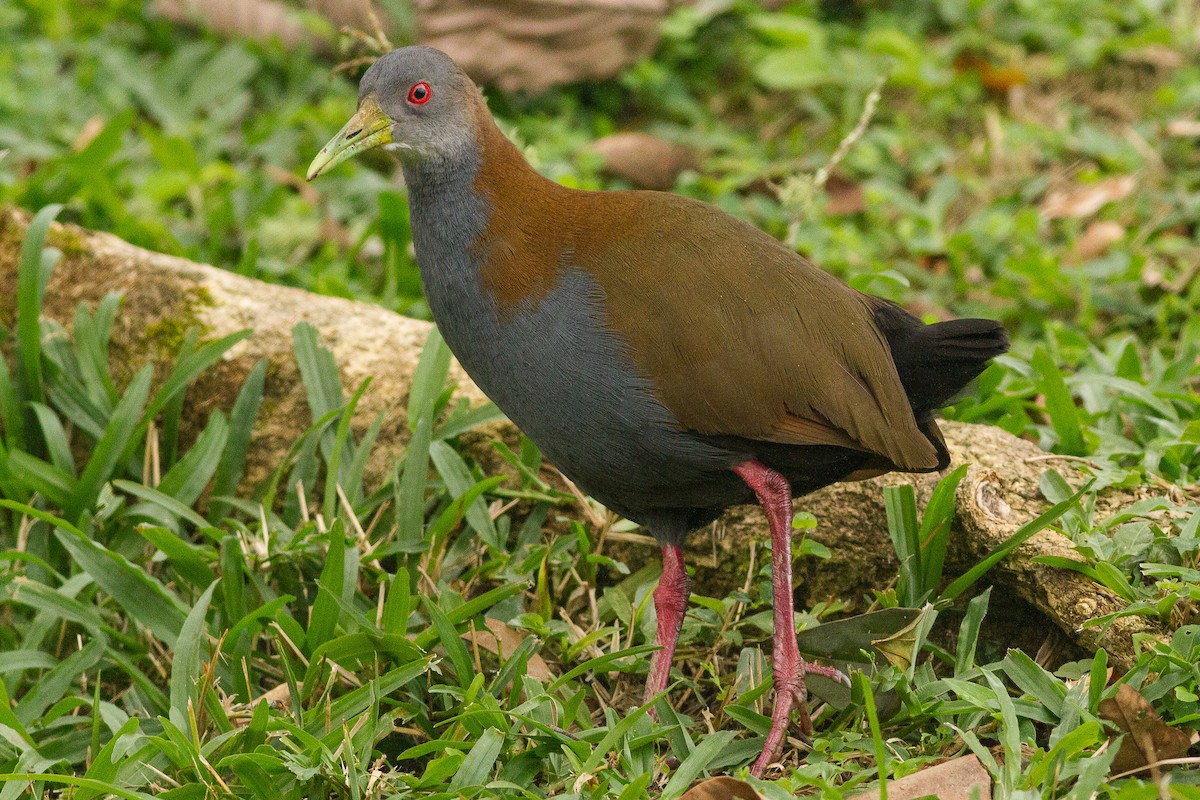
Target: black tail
(936,361)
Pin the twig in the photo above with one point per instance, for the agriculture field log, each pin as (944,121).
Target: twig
(864,119)
(800,190)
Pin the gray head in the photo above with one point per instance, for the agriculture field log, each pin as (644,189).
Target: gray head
(414,101)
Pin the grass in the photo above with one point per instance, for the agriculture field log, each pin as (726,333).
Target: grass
(318,636)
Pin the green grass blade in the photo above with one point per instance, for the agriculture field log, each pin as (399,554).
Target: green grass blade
(11,418)
(172,411)
(189,659)
(32,277)
(935,531)
(398,605)
(142,598)
(91,346)
(233,589)
(100,787)
(459,481)
(163,501)
(362,451)
(322,381)
(107,763)
(901,505)
(1060,405)
(430,376)
(1019,537)
(241,426)
(1036,682)
(1010,733)
(73,402)
(326,611)
(461,422)
(410,490)
(862,686)
(334,473)
(359,700)
(695,763)
(185,371)
(968,633)
(456,651)
(185,481)
(40,476)
(479,762)
(55,437)
(118,437)
(189,560)
(55,683)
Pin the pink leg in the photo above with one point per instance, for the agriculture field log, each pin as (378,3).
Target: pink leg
(670,602)
(775,496)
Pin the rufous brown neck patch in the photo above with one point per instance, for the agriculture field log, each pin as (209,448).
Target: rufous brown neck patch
(526,245)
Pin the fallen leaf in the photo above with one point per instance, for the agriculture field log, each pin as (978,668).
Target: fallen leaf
(501,640)
(1158,56)
(722,788)
(644,160)
(1097,238)
(531,45)
(898,647)
(955,779)
(279,696)
(996,78)
(1186,128)
(516,45)
(262,20)
(1148,739)
(90,130)
(845,197)
(1083,200)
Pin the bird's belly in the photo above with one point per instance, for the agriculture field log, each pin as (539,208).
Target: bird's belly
(565,379)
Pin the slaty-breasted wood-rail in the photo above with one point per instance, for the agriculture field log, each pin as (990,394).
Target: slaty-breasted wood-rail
(670,359)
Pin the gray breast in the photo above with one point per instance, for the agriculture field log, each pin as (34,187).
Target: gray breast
(564,377)
(557,369)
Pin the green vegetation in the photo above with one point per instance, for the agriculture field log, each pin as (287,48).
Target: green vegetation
(144,616)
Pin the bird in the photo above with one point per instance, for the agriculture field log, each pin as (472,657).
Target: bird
(670,359)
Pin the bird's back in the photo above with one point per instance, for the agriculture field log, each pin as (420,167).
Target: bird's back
(648,342)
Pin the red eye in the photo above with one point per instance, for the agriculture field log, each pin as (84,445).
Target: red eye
(419,94)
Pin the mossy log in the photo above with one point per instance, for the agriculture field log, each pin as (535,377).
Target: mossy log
(164,296)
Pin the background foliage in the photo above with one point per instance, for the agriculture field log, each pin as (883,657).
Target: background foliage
(1032,161)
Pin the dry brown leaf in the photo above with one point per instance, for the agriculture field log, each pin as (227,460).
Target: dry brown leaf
(261,20)
(279,696)
(501,640)
(518,45)
(532,45)
(1184,128)
(1097,238)
(1083,200)
(1158,56)
(898,647)
(951,780)
(722,788)
(90,130)
(845,197)
(1148,739)
(644,160)
(996,78)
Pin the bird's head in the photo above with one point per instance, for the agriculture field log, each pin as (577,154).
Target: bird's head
(414,101)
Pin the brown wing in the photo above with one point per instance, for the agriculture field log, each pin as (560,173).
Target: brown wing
(743,337)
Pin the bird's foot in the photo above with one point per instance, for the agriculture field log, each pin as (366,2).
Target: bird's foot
(791,694)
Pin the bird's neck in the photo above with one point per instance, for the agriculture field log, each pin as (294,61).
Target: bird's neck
(470,209)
